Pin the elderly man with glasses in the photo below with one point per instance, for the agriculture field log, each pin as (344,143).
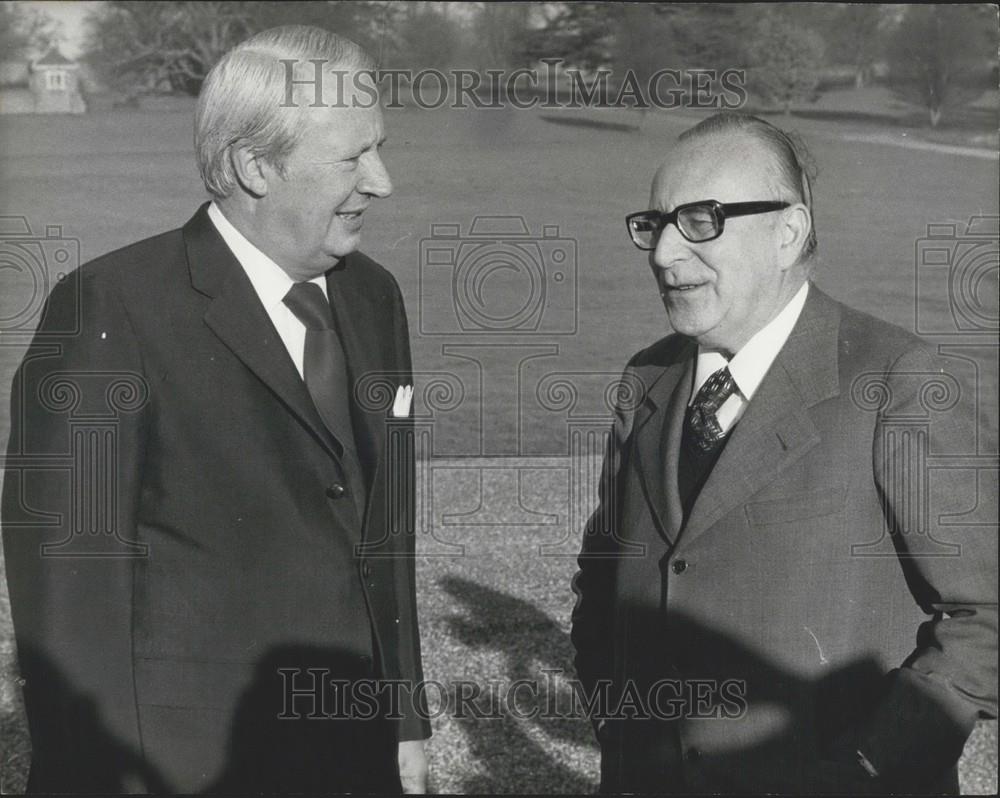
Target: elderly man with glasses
(774,594)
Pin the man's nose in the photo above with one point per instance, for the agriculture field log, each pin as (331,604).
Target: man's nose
(375,180)
(670,244)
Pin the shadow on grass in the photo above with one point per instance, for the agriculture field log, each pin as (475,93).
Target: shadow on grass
(513,755)
(596,124)
(519,754)
(530,642)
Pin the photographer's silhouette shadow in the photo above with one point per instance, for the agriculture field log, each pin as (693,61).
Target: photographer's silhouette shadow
(98,763)
(267,751)
(285,738)
(805,748)
(529,642)
(271,744)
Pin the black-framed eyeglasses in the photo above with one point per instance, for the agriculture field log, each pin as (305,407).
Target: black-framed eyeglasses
(698,222)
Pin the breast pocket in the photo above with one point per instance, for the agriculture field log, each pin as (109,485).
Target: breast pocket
(813,504)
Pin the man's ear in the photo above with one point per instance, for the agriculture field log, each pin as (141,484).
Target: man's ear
(793,232)
(250,170)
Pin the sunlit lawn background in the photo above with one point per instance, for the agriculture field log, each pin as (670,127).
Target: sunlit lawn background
(501,611)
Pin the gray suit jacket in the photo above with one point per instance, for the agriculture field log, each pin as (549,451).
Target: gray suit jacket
(827,594)
(202,554)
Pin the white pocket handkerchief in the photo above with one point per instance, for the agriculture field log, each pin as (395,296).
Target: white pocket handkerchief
(401,405)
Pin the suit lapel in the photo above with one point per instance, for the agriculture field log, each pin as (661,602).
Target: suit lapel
(657,435)
(776,428)
(774,431)
(670,444)
(239,320)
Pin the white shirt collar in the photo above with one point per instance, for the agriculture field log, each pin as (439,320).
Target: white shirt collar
(751,363)
(269,280)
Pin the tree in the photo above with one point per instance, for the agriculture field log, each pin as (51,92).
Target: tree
(427,38)
(644,41)
(23,31)
(643,44)
(708,35)
(161,46)
(580,33)
(939,56)
(142,47)
(591,36)
(500,31)
(857,34)
(361,21)
(784,59)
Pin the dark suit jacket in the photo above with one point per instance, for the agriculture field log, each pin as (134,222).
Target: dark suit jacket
(201,554)
(815,602)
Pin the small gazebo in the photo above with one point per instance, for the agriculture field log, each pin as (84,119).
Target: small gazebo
(55,82)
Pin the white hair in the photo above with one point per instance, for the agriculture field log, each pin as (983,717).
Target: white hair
(243,99)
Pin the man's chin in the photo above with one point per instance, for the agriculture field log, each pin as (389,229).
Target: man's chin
(684,322)
(334,255)
(344,245)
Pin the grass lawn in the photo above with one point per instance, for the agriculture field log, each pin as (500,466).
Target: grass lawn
(500,611)
(973,125)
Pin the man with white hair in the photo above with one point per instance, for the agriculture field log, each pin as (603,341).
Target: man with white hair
(222,607)
(774,594)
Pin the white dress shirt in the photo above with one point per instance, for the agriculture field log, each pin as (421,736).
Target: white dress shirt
(751,363)
(271,284)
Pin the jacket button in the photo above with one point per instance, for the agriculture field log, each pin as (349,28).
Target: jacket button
(366,570)
(336,490)
(692,755)
(679,566)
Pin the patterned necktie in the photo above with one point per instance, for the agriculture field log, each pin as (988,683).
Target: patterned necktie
(705,432)
(324,363)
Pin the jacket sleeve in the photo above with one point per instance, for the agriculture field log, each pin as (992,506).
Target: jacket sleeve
(592,631)
(415,724)
(949,556)
(69,507)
